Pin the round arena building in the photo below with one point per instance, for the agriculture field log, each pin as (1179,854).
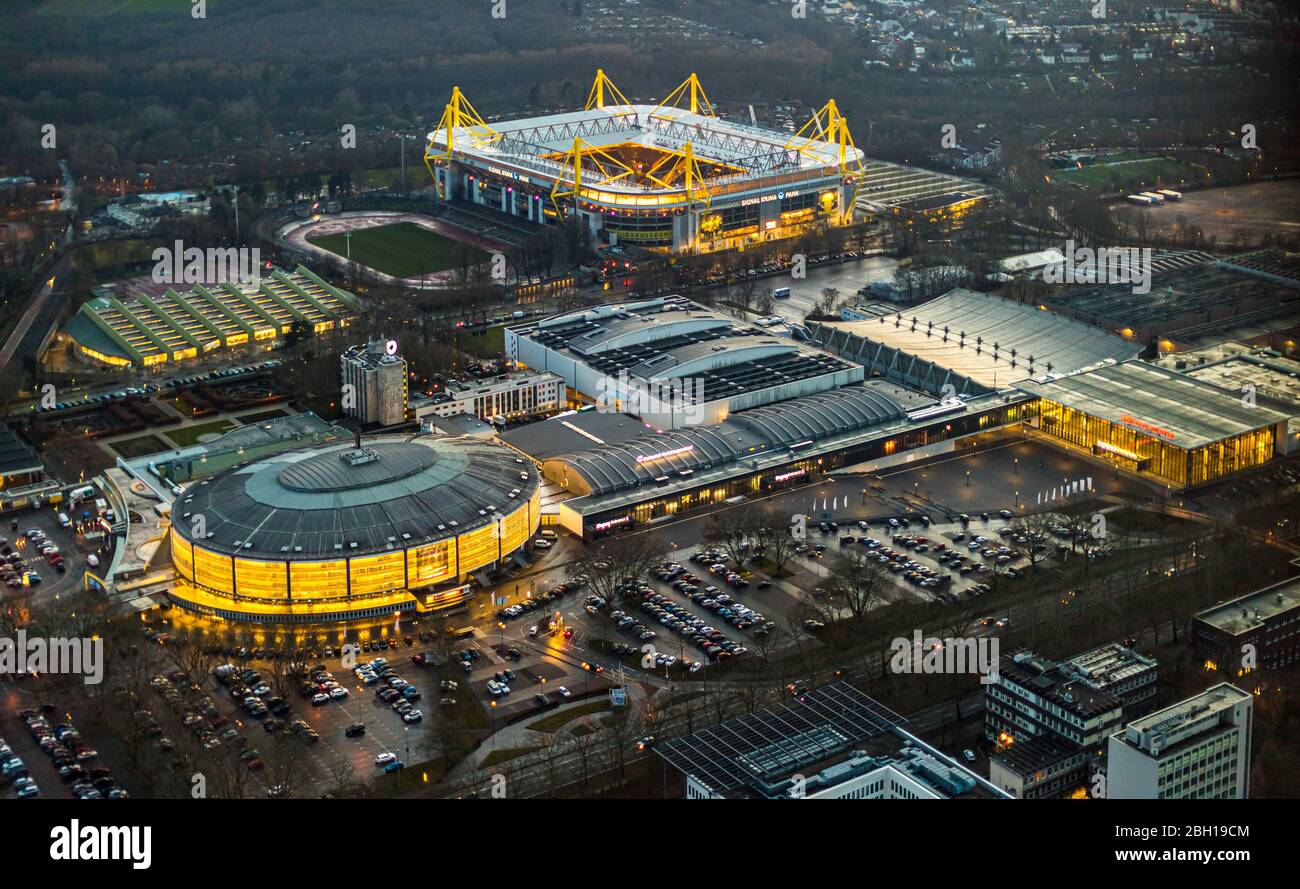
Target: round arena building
(351,531)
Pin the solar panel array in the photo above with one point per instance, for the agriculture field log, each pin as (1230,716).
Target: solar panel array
(772,743)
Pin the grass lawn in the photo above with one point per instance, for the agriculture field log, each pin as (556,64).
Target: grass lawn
(1133,174)
(556,721)
(189,435)
(505,754)
(140,447)
(402,249)
(490,345)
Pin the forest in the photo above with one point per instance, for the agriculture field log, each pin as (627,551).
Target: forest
(258,87)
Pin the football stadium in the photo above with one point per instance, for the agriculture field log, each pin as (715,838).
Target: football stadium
(670,177)
(347,532)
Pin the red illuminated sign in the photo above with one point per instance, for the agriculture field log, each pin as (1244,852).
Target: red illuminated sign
(1147,427)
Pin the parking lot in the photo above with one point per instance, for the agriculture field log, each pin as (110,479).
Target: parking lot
(33,576)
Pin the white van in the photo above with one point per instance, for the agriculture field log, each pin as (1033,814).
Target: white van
(64,520)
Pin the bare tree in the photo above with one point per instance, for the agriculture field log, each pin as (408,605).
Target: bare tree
(1029,537)
(612,566)
(734,531)
(855,585)
(775,539)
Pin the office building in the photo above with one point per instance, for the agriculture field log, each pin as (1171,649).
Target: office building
(1197,749)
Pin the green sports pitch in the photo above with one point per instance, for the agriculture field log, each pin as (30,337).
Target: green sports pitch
(402,249)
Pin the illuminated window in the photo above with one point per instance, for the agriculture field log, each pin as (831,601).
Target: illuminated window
(182,555)
(260,579)
(213,570)
(375,574)
(318,580)
(478,548)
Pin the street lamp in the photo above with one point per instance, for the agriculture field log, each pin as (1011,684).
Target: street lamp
(968,478)
(1015,466)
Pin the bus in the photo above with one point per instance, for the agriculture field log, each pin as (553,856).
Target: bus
(462,633)
(781,293)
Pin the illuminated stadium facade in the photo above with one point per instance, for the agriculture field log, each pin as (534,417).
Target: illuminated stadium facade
(346,532)
(671,177)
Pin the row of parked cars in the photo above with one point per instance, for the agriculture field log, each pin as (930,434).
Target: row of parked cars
(542,600)
(695,630)
(320,687)
(392,689)
(14,567)
(73,758)
(150,388)
(14,770)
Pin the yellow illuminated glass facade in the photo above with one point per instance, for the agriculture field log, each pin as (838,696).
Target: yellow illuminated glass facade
(318,580)
(182,555)
(478,548)
(260,579)
(515,530)
(213,570)
(1158,456)
(307,591)
(426,565)
(374,574)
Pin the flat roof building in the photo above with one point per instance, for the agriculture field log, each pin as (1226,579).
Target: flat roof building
(1268,620)
(19,464)
(1048,720)
(623,472)
(511,396)
(167,327)
(973,342)
(673,362)
(1157,422)
(831,742)
(1198,748)
(1197,301)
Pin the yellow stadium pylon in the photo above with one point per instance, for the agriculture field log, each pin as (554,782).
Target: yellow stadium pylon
(599,88)
(689,88)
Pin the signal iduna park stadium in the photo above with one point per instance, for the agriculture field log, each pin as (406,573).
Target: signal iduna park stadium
(345,532)
(670,177)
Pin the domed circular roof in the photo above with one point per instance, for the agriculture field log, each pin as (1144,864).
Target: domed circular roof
(338,500)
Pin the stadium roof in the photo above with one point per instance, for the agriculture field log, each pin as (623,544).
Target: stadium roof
(650,456)
(337,501)
(979,336)
(526,142)
(1142,395)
